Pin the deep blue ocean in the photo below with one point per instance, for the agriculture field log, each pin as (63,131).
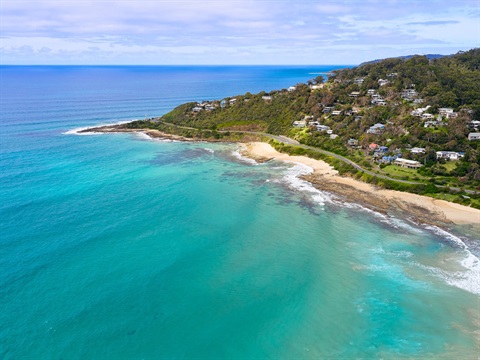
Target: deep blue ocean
(117,246)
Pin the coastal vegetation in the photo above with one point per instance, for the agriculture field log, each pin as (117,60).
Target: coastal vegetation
(423,111)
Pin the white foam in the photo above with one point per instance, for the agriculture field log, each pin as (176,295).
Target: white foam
(211,151)
(447,236)
(77,131)
(292,178)
(244,159)
(469,279)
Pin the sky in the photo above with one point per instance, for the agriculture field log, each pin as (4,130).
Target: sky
(226,32)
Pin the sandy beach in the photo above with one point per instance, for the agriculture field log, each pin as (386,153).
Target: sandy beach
(420,208)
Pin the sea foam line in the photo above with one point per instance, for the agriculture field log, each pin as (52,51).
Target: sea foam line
(236,154)
(292,178)
(77,131)
(467,280)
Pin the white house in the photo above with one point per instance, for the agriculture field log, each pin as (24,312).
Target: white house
(300,123)
(474,136)
(336,112)
(450,155)
(417,150)
(411,164)
(445,111)
(376,129)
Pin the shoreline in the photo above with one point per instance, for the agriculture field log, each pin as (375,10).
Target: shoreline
(422,209)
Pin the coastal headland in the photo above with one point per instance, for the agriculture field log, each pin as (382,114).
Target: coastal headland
(418,208)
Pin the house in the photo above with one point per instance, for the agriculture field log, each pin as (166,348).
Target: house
(232,101)
(372,146)
(376,129)
(327,109)
(352,142)
(336,112)
(223,103)
(292,88)
(475,124)
(371,91)
(322,128)
(418,112)
(358,118)
(417,150)
(316,86)
(449,155)
(383,82)
(333,136)
(409,94)
(474,136)
(411,164)
(267,98)
(445,111)
(427,116)
(354,94)
(418,101)
(300,123)
(358,81)
(433,123)
(197,109)
(209,107)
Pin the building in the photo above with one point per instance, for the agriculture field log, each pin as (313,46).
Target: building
(474,136)
(267,98)
(336,112)
(300,124)
(417,150)
(323,127)
(352,142)
(376,129)
(449,155)
(411,164)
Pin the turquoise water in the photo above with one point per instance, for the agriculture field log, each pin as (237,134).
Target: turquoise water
(121,247)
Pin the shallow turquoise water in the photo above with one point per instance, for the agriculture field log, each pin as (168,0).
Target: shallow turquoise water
(116,246)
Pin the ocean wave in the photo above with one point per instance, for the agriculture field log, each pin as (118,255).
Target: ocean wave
(292,178)
(144,136)
(469,278)
(77,131)
(236,154)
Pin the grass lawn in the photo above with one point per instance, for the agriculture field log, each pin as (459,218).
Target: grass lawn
(450,165)
(400,172)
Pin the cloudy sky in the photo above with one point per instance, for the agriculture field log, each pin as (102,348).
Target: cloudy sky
(232,32)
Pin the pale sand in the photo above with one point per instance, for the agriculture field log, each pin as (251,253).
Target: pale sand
(423,208)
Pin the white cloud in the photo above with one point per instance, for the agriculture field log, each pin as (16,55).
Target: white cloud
(232,31)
